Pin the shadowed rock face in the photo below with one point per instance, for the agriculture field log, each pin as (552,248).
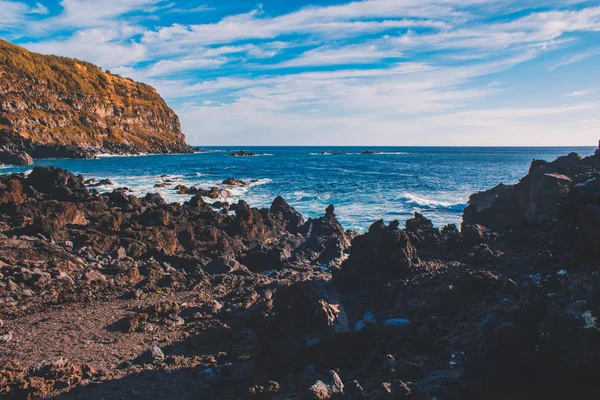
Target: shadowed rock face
(537,198)
(59,107)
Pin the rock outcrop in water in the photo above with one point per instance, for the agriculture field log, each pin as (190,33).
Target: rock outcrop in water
(59,107)
(113,296)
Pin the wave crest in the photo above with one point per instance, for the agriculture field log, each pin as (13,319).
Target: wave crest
(430,204)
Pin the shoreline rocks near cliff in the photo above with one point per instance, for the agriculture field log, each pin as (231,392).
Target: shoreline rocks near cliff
(168,300)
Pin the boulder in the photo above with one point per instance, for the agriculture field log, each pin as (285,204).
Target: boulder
(263,257)
(197,202)
(57,183)
(327,390)
(306,315)
(385,250)
(224,265)
(234,182)
(326,240)
(14,157)
(396,325)
(293,220)
(537,198)
(215,193)
(11,191)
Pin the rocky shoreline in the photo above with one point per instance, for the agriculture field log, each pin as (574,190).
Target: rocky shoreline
(24,152)
(113,296)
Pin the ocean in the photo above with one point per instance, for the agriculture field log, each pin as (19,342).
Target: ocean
(392,183)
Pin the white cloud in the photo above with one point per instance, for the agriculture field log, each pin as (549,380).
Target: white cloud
(352,54)
(104,47)
(198,9)
(333,20)
(89,14)
(579,93)
(39,9)
(209,125)
(13,13)
(572,59)
(165,67)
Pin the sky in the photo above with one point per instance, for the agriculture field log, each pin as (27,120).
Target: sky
(335,72)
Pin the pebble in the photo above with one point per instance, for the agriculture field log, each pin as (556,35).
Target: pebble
(360,325)
(369,318)
(6,338)
(92,276)
(174,320)
(121,253)
(396,325)
(157,354)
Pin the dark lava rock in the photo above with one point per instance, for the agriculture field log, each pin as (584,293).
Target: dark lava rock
(223,265)
(234,182)
(14,157)
(293,219)
(383,250)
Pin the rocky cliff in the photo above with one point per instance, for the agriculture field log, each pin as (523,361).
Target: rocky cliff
(60,107)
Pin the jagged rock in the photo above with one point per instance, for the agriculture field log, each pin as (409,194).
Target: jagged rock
(92,276)
(223,265)
(61,184)
(293,219)
(324,391)
(536,198)
(473,234)
(326,240)
(382,250)
(262,258)
(14,157)
(61,372)
(234,182)
(121,253)
(242,154)
(197,202)
(215,193)
(11,191)
(306,314)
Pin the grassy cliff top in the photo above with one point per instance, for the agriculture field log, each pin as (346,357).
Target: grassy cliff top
(64,74)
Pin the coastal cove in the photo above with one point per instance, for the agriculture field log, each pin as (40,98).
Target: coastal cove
(391,183)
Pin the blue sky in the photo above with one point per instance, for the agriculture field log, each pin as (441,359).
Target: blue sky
(370,72)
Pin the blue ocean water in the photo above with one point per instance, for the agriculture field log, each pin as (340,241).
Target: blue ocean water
(391,184)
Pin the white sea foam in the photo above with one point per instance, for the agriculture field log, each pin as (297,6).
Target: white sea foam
(142,185)
(108,155)
(424,202)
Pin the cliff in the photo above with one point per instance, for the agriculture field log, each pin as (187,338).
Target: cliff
(60,107)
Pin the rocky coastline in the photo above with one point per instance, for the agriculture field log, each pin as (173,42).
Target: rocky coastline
(58,107)
(106,295)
